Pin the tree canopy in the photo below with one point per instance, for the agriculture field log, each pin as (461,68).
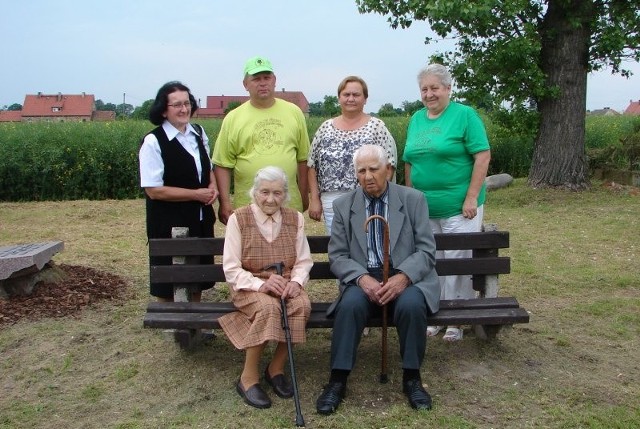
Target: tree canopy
(101,105)
(124,110)
(530,59)
(410,107)
(232,105)
(387,110)
(330,105)
(142,111)
(316,109)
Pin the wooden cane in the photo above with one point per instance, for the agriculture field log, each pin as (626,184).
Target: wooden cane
(385,277)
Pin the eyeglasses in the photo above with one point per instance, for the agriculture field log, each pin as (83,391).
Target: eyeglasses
(186,104)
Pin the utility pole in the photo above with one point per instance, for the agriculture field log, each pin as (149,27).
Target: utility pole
(124,98)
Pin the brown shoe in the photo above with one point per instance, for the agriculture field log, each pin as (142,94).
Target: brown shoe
(254,396)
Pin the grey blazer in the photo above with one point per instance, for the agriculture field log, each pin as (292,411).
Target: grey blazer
(411,243)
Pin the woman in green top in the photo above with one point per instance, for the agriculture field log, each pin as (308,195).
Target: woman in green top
(446,157)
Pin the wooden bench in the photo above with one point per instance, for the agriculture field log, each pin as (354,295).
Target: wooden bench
(487,313)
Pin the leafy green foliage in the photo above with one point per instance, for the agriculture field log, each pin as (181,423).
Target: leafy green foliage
(68,161)
(101,105)
(232,105)
(14,107)
(142,111)
(387,110)
(623,153)
(316,109)
(499,43)
(330,105)
(410,107)
(124,110)
(99,160)
(530,57)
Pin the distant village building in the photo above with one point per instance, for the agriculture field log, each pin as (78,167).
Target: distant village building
(10,116)
(603,112)
(59,107)
(103,115)
(217,104)
(633,108)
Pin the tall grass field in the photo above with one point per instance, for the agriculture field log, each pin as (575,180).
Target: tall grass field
(99,160)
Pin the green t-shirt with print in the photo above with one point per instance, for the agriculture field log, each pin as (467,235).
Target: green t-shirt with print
(440,152)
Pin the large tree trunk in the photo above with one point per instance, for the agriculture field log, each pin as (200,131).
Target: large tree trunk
(559,158)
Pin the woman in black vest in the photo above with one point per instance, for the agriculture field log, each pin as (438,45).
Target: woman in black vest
(176,175)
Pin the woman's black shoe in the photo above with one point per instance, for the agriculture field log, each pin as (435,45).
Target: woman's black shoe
(254,396)
(281,387)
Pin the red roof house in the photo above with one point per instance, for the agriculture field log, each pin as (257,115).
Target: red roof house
(103,115)
(59,107)
(10,115)
(633,109)
(217,104)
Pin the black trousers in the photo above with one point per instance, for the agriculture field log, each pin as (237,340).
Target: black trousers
(408,312)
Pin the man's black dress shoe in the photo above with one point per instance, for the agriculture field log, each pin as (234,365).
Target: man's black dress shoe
(331,397)
(418,397)
(280,385)
(254,396)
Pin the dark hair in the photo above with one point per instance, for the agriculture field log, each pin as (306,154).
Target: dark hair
(162,99)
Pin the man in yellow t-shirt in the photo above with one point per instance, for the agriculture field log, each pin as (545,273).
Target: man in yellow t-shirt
(263,131)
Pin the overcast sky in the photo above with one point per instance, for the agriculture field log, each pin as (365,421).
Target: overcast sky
(126,49)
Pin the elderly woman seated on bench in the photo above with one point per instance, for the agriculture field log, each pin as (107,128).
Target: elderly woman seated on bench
(266,257)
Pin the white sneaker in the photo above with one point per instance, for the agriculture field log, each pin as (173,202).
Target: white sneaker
(453,334)
(432,331)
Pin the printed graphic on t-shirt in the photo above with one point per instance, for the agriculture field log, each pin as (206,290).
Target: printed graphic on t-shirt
(423,139)
(266,136)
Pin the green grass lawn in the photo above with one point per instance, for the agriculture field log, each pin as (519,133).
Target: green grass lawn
(575,259)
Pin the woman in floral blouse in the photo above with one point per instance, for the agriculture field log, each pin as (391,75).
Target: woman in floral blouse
(331,172)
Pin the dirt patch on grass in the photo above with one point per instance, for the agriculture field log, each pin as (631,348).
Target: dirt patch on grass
(76,288)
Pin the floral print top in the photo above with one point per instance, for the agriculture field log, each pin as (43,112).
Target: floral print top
(332,152)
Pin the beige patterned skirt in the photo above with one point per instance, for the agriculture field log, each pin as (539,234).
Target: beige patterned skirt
(258,319)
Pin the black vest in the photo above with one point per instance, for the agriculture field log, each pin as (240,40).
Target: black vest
(180,171)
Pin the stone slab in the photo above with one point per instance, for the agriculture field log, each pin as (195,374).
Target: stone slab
(24,258)
(498,181)
(24,285)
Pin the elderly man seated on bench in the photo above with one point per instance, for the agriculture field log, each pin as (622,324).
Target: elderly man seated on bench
(412,290)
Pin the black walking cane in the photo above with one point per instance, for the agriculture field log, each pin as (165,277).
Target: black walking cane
(385,278)
(287,334)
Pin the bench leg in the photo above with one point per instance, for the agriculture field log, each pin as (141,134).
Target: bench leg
(189,338)
(486,332)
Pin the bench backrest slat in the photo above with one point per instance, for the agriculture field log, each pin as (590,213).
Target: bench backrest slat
(485,259)
(318,243)
(321,270)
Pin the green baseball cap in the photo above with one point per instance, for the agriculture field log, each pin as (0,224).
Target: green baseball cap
(256,65)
